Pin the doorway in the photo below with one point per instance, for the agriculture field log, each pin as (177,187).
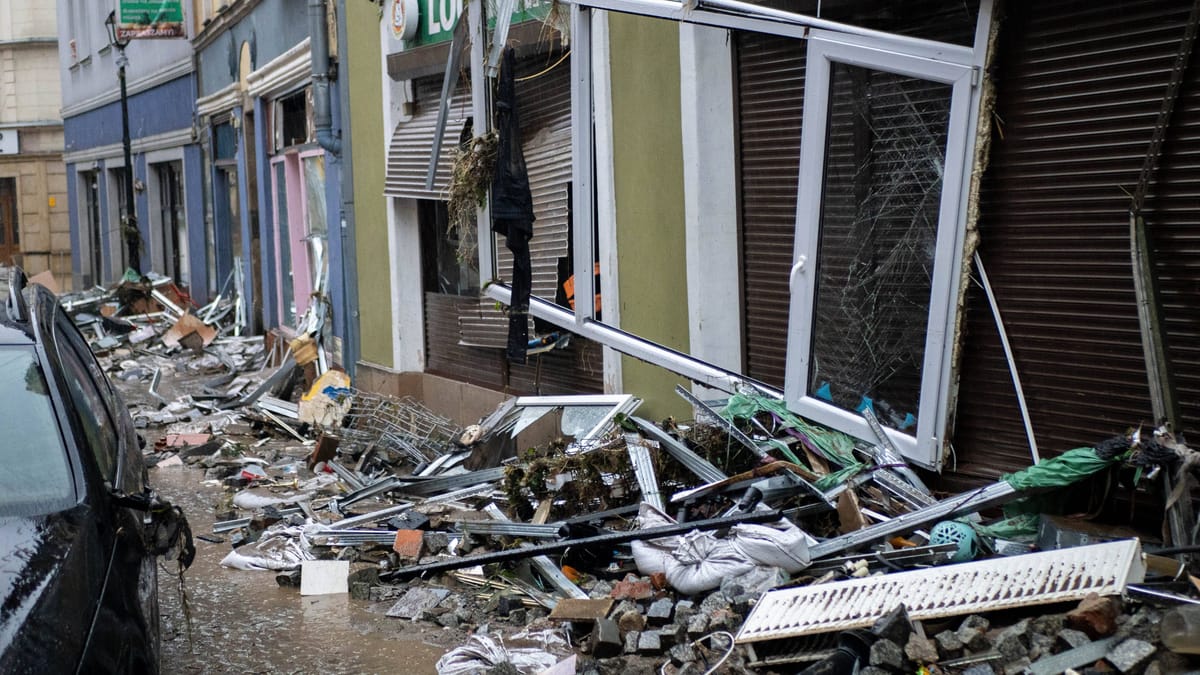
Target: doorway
(10,234)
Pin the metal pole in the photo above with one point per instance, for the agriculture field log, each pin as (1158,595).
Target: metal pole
(129,224)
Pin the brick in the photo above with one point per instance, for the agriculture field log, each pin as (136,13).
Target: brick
(1095,616)
(409,544)
(632,590)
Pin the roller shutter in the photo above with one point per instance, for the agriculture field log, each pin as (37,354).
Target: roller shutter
(465,336)
(1079,85)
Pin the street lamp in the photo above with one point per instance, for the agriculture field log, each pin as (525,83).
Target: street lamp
(129,224)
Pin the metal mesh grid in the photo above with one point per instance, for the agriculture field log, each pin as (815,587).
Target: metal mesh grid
(399,425)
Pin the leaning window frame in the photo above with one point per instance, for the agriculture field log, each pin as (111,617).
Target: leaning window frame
(731,15)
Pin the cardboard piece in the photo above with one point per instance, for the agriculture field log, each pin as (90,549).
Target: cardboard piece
(186,325)
(46,279)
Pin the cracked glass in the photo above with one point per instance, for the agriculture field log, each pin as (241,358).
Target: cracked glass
(884,166)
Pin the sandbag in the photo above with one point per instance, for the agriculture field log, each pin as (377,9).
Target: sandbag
(651,555)
(702,560)
(784,546)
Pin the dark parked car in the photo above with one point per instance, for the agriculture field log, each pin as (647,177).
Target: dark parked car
(79,530)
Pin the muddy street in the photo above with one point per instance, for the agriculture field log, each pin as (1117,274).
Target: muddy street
(243,621)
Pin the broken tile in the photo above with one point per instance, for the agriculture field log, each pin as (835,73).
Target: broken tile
(417,600)
(575,609)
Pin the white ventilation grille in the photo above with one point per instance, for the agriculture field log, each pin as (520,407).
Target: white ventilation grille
(1001,583)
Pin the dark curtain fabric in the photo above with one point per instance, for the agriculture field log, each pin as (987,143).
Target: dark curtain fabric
(512,206)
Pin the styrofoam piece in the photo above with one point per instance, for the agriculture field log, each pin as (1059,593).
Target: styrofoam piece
(324,577)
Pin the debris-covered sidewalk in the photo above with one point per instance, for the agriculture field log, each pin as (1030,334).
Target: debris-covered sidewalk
(746,538)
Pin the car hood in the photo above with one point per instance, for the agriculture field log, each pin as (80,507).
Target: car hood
(35,554)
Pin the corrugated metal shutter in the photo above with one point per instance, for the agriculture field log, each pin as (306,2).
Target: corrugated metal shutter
(545,110)
(1079,85)
(408,154)
(465,336)
(770,73)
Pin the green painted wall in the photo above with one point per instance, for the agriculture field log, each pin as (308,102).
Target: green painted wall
(648,171)
(366,121)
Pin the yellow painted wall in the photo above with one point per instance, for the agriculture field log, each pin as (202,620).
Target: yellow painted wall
(366,122)
(648,174)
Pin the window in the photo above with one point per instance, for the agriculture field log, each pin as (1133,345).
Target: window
(90,237)
(876,240)
(292,121)
(443,268)
(98,425)
(117,212)
(169,238)
(37,477)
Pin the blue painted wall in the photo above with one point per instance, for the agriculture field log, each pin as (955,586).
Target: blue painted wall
(271,28)
(168,107)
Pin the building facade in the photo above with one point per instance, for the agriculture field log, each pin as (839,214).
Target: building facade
(168,187)
(800,208)
(269,117)
(34,226)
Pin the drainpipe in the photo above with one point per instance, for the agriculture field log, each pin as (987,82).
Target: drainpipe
(319,46)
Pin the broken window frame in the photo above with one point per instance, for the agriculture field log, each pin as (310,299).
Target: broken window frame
(824,50)
(732,15)
(619,404)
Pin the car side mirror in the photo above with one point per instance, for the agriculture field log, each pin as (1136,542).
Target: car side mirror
(167,530)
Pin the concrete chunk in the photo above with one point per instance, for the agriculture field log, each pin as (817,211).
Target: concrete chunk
(1130,655)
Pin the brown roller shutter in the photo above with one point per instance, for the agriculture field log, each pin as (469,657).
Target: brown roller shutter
(466,335)
(545,109)
(1079,85)
(770,73)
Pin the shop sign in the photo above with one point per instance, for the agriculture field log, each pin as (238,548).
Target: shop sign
(8,142)
(145,19)
(438,16)
(405,17)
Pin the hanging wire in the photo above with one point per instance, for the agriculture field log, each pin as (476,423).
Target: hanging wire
(548,69)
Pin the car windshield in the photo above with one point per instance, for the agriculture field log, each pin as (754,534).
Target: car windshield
(34,474)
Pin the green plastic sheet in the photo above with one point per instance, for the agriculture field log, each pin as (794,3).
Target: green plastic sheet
(834,446)
(1068,468)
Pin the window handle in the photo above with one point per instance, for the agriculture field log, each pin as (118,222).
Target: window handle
(796,270)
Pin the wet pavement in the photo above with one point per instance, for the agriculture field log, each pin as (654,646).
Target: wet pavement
(243,622)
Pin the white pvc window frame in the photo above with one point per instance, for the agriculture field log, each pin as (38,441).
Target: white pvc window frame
(825,49)
(734,15)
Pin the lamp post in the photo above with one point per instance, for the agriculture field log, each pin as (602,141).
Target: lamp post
(129,224)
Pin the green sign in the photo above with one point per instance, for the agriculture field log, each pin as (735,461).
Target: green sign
(144,19)
(438,17)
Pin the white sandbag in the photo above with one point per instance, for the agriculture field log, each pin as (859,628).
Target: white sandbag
(784,546)
(651,555)
(702,560)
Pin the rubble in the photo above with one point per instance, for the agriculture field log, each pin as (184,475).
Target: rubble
(626,543)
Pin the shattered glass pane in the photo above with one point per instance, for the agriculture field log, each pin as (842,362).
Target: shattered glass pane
(577,421)
(882,192)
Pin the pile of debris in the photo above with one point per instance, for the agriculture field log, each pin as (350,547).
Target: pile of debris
(566,534)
